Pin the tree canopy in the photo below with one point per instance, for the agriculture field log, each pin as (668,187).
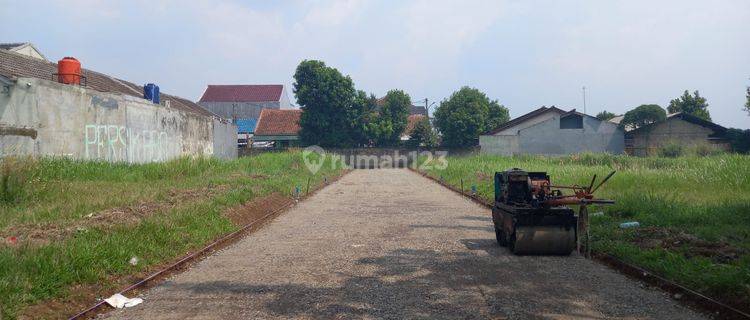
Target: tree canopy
(393,116)
(326,97)
(643,115)
(605,115)
(423,134)
(467,114)
(690,104)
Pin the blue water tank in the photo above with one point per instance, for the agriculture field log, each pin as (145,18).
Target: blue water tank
(151,92)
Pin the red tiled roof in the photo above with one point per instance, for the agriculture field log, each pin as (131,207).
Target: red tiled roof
(14,65)
(242,93)
(275,122)
(411,123)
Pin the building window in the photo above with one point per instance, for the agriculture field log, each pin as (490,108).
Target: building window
(573,121)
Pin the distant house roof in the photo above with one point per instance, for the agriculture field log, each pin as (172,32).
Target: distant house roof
(14,65)
(412,109)
(19,48)
(718,130)
(411,123)
(278,122)
(243,93)
(246,125)
(617,119)
(530,115)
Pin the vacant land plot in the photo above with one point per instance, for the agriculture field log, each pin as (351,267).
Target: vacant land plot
(70,229)
(694,212)
(391,244)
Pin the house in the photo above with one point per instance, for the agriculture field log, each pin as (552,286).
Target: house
(680,128)
(278,126)
(24,48)
(244,101)
(102,118)
(553,131)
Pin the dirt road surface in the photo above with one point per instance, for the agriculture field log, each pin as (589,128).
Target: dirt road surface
(392,244)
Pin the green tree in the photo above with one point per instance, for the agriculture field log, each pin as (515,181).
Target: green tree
(467,114)
(363,118)
(423,134)
(393,117)
(690,104)
(643,115)
(605,115)
(326,97)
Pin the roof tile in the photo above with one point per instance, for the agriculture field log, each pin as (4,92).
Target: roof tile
(242,93)
(278,122)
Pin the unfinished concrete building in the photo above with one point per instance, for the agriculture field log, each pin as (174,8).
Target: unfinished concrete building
(100,118)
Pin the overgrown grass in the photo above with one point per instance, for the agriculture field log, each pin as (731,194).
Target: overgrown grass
(705,197)
(62,192)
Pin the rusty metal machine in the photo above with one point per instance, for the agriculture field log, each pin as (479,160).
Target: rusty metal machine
(531,216)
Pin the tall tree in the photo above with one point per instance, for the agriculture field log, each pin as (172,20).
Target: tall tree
(423,134)
(393,116)
(605,115)
(643,115)
(467,114)
(690,104)
(363,118)
(326,97)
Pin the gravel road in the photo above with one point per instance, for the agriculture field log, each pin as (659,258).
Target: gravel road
(391,244)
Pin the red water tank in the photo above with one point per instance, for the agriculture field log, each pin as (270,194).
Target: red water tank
(69,71)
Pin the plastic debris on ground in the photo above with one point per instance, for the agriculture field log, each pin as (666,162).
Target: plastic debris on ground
(119,301)
(133,261)
(633,224)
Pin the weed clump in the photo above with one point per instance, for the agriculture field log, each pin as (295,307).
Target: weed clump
(14,177)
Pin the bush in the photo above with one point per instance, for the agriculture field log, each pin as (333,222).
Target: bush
(705,149)
(671,150)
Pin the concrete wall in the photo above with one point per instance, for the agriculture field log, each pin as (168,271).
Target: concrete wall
(547,138)
(239,110)
(674,130)
(45,118)
(506,145)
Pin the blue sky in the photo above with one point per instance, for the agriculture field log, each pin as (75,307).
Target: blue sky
(523,53)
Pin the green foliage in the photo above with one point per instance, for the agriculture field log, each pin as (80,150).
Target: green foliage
(60,193)
(690,195)
(423,134)
(605,115)
(739,139)
(393,117)
(643,115)
(363,117)
(671,150)
(467,114)
(690,104)
(14,175)
(326,97)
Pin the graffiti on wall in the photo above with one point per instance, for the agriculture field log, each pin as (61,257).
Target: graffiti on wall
(119,143)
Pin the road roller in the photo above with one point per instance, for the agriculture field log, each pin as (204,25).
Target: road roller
(533,217)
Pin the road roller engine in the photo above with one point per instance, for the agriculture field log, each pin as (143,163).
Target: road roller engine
(531,216)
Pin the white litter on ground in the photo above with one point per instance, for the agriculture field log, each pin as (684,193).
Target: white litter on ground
(119,301)
(133,261)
